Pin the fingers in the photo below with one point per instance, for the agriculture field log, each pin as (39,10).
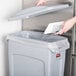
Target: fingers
(60,32)
(40,4)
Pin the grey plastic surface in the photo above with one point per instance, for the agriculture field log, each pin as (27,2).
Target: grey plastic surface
(32,55)
(38,10)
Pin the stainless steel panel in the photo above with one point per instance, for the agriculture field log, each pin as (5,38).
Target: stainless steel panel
(40,22)
(74,66)
(67,63)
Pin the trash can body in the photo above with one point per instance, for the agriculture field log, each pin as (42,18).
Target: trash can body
(35,54)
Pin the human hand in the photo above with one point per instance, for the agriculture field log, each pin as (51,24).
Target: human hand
(41,2)
(67,25)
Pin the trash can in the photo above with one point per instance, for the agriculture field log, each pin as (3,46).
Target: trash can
(35,54)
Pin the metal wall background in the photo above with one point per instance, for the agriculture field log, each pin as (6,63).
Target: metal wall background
(40,23)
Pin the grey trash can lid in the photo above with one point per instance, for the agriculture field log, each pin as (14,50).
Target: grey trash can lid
(38,10)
